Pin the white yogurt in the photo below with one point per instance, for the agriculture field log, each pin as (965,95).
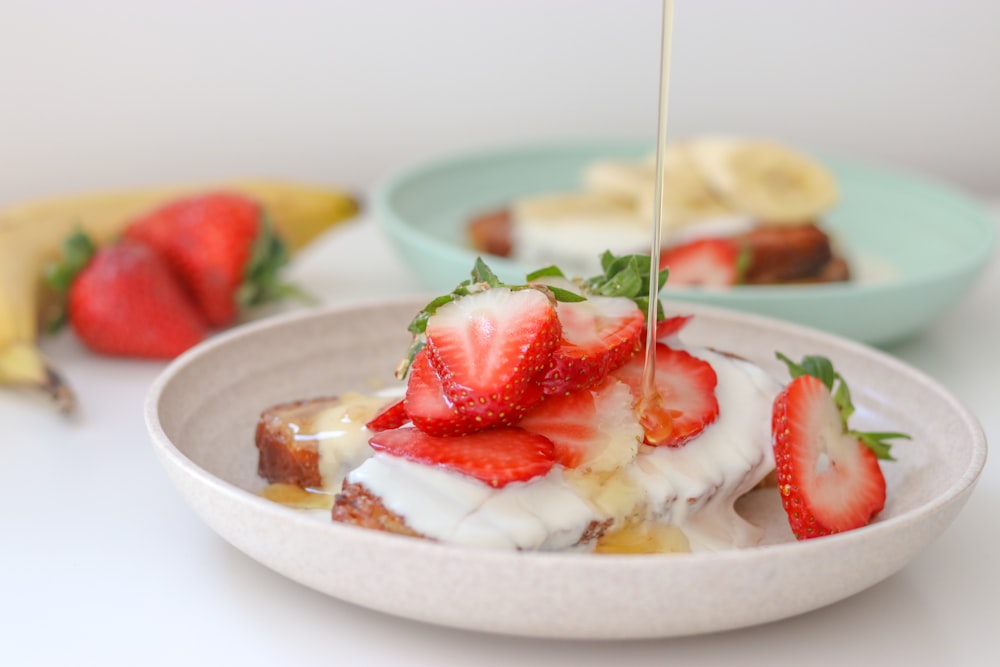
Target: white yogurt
(540,514)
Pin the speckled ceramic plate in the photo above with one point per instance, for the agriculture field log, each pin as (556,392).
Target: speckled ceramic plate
(202,411)
(917,245)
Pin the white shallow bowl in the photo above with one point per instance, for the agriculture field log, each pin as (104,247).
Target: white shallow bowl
(202,411)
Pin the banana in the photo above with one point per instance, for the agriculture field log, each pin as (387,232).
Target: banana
(765,180)
(31,235)
(574,206)
(687,196)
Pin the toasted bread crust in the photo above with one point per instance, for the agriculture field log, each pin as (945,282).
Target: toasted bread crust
(358,506)
(491,233)
(786,254)
(282,458)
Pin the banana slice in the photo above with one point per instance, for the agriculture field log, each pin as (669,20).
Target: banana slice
(574,206)
(764,179)
(687,196)
(627,179)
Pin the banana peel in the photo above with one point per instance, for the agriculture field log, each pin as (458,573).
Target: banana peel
(31,235)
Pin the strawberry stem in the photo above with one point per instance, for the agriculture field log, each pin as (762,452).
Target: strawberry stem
(261,279)
(77,251)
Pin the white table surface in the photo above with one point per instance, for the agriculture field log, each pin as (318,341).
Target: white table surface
(103,563)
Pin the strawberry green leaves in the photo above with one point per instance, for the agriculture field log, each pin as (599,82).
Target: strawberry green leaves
(822,369)
(623,275)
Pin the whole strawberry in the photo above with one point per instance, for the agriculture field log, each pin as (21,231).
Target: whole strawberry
(125,300)
(221,247)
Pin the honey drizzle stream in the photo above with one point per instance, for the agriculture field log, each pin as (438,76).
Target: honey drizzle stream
(655,420)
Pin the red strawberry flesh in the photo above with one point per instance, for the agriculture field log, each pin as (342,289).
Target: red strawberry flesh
(392,415)
(593,428)
(207,239)
(487,348)
(428,407)
(598,336)
(496,457)
(686,388)
(829,481)
(128,302)
(708,262)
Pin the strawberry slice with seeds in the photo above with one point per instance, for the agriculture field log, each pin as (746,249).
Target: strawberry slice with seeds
(487,348)
(686,388)
(598,336)
(389,417)
(828,476)
(594,428)
(671,326)
(426,404)
(496,457)
(706,262)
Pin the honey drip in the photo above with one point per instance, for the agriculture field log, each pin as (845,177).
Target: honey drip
(653,416)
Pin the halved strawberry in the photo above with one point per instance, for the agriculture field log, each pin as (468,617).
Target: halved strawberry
(426,404)
(497,456)
(706,262)
(393,415)
(686,388)
(487,348)
(594,428)
(828,476)
(670,326)
(598,336)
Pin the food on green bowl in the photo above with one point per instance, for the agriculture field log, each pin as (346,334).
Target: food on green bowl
(734,212)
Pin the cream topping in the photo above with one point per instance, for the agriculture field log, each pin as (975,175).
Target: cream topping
(540,514)
(693,487)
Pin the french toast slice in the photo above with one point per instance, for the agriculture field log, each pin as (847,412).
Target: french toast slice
(284,456)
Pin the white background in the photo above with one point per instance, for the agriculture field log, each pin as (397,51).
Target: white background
(109,93)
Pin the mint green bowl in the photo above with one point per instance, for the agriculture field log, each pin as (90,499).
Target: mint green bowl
(922,243)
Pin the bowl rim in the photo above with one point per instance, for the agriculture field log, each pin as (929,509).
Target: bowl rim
(164,446)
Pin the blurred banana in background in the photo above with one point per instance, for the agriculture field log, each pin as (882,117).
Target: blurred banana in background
(31,235)
(764,179)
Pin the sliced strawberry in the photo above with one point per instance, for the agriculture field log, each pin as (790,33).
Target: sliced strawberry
(487,347)
(686,388)
(670,326)
(497,456)
(829,477)
(594,428)
(707,262)
(389,417)
(598,336)
(426,404)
